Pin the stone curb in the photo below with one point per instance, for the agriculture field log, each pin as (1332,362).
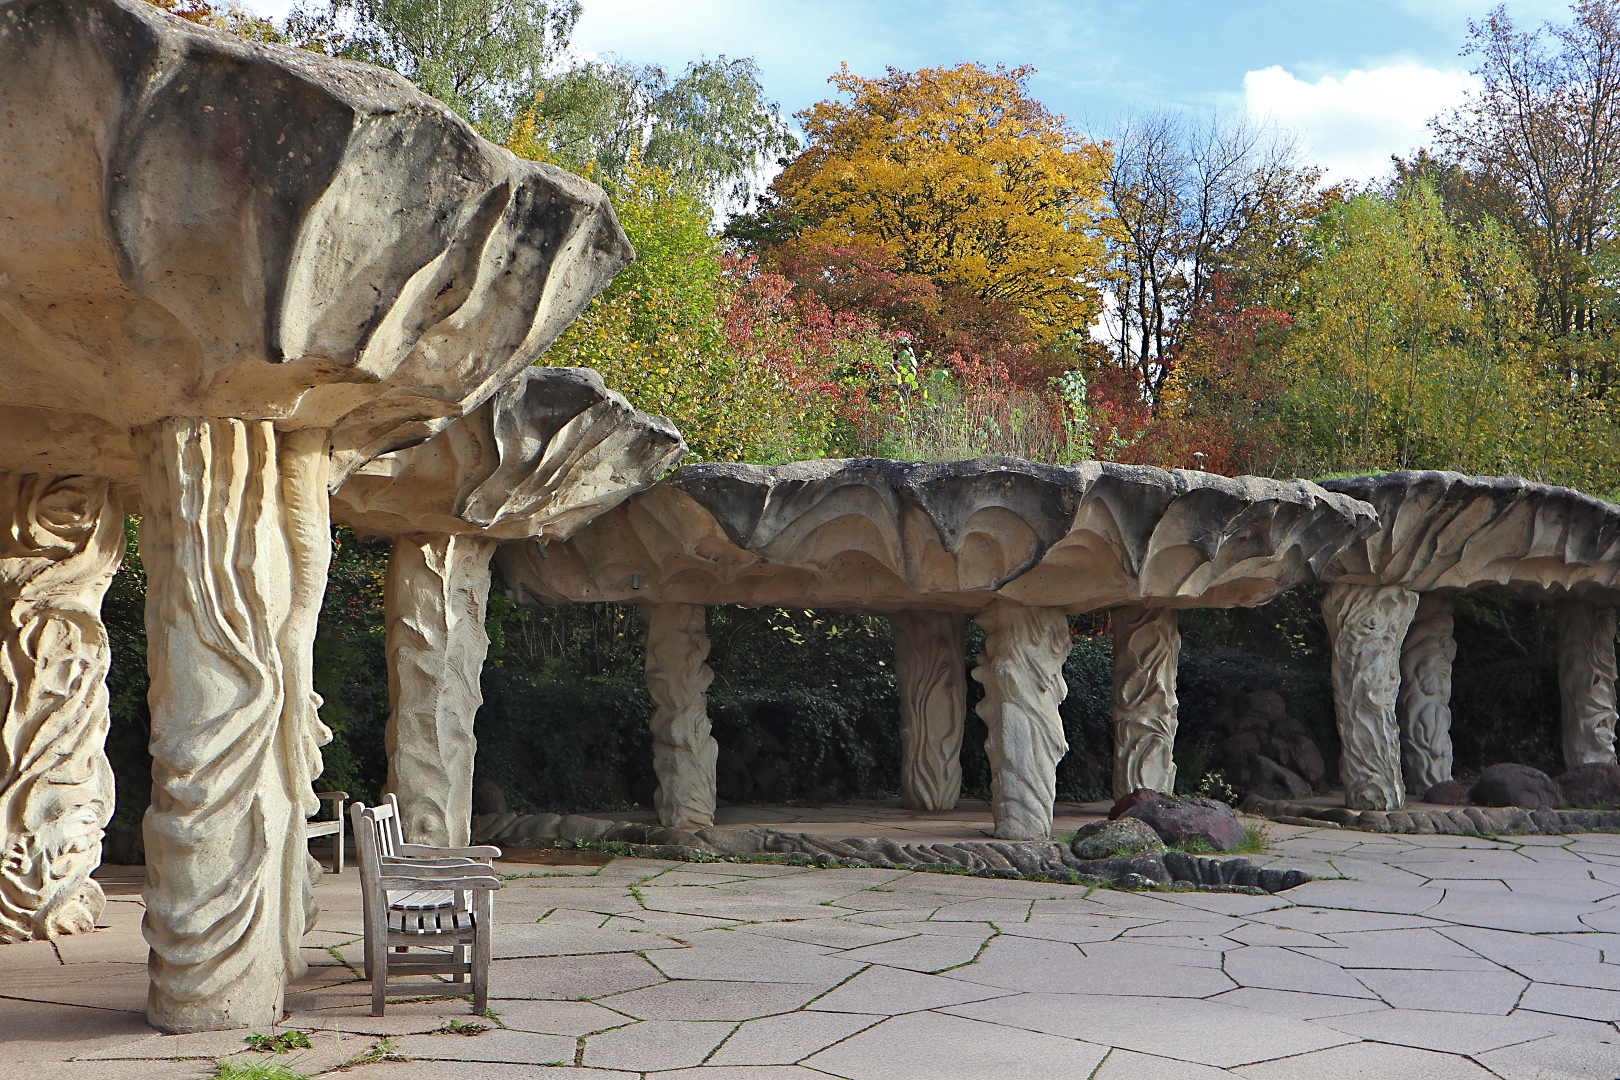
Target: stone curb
(1457,821)
(1027,860)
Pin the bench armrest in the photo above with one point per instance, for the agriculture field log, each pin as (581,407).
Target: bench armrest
(431,884)
(433,864)
(481,851)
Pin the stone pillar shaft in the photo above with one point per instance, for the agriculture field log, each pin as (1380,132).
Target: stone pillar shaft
(930,666)
(60,542)
(1424,704)
(1366,625)
(684,752)
(236,543)
(1147,648)
(1586,671)
(1021,669)
(434,601)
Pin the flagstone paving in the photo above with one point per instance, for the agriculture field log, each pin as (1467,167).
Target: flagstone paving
(1415,957)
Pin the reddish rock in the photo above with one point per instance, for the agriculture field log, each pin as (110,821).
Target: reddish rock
(487,797)
(1266,703)
(1306,759)
(1136,798)
(1516,785)
(1592,787)
(1447,793)
(1179,821)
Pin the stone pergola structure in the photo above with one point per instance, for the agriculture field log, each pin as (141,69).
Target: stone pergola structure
(1018,546)
(1389,606)
(230,275)
(547,453)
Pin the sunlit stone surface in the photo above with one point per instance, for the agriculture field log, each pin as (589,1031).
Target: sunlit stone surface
(230,274)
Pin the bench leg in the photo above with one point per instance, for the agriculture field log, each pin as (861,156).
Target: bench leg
(483,923)
(377,962)
(459,958)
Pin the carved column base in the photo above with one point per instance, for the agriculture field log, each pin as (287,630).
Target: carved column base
(1021,669)
(1366,625)
(236,543)
(930,650)
(1147,648)
(1424,704)
(1586,670)
(60,542)
(684,752)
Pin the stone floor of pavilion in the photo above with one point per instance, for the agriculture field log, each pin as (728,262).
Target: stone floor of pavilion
(1415,956)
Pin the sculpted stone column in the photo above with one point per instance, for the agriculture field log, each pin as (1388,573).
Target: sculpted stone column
(1424,704)
(1147,647)
(930,648)
(1366,625)
(678,679)
(434,601)
(236,544)
(61,541)
(1021,669)
(1586,669)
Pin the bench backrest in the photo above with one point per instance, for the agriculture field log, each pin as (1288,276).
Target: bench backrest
(376,837)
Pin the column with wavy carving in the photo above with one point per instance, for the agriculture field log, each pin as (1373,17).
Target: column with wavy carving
(1147,647)
(1424,704)
(236,543)
(434,600)
(930,667)
(1021,670)
(1366,625)
(1586,670)
(60,544)
(678,679)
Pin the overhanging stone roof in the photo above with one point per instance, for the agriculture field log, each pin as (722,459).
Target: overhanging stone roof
(873,534)
(1444,530)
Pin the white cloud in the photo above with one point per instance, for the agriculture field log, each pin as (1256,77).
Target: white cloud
(1351,126)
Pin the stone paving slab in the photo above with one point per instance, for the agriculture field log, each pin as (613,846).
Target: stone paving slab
(1426,957)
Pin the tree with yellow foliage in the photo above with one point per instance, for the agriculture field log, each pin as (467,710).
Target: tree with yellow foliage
(964,178)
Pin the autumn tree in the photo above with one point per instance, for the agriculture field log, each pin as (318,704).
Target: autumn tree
(964,179)
(712,127)
(1545,125)
(1410,347)
(476,56)
(1190,203)
(230,17)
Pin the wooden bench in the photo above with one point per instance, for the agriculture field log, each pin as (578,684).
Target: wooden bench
(437,899)
(333,826)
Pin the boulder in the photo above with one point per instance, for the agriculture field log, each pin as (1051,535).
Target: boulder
(1135,798)
(487,797)
(1594,786)
(1270,772)
(1447,793)
(1183,821)
(1105,839)
(1509,784)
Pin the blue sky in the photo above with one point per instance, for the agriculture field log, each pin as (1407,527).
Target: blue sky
(1355,81)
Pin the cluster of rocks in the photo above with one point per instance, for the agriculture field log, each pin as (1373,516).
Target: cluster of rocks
(1594,786)
(1262,746)
(1178,822)
(1129,852)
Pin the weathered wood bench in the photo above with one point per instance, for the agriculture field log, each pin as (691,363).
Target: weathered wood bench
(415,896)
